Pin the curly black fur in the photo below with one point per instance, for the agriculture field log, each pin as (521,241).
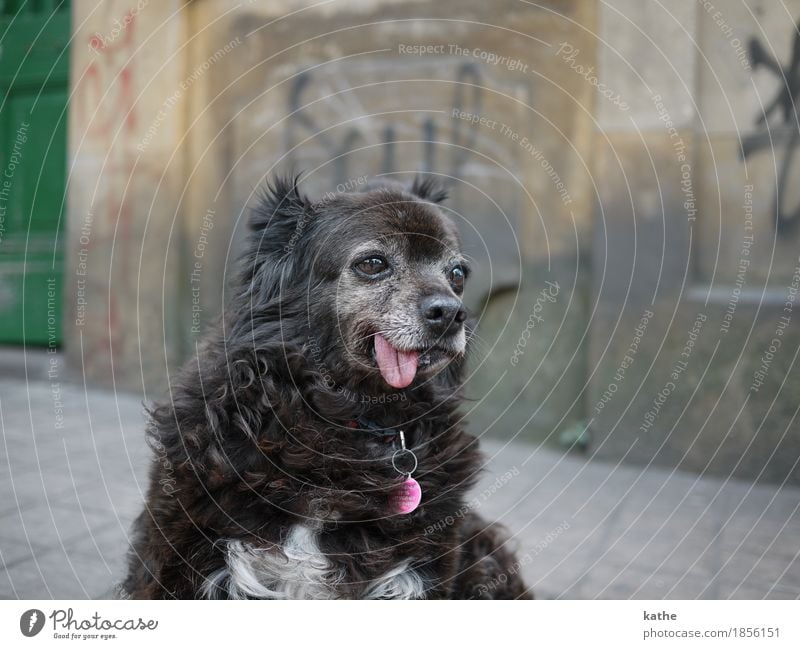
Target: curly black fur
(254,438)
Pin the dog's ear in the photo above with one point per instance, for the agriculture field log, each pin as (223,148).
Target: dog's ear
(280,213)
(277,223)
(429,189)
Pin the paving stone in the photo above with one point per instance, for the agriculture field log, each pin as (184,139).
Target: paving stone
(51,525)
(609,580)
(55,574)
(108,545)
(14,551)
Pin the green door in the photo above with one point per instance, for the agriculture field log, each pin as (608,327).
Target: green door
(34,67)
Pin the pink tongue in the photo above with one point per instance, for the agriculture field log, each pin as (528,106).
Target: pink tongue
(397,368)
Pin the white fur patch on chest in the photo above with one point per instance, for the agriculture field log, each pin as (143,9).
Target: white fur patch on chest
(402,582)
(302,571)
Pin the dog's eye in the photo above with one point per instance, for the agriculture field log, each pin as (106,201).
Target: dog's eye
(457,277)
(372,265)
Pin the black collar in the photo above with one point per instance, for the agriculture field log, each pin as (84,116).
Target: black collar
(365,425)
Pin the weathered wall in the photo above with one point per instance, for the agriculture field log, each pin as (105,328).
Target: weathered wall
(126,169)
(687,238)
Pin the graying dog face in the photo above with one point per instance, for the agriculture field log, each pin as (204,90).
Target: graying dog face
(399,275)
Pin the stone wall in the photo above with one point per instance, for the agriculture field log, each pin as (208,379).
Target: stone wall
(695,273)
(126,176)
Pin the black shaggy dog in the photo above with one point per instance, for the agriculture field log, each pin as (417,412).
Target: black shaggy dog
(292,451)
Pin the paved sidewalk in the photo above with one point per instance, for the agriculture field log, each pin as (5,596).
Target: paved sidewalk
(583,529)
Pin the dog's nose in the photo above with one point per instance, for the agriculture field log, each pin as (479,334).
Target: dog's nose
(443,313)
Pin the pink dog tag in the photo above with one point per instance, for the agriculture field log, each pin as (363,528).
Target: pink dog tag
(406,497)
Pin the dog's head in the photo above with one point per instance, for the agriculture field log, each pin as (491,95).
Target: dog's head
(376,278)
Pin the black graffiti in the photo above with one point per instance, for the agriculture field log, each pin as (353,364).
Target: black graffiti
(467,96)
(784,101)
